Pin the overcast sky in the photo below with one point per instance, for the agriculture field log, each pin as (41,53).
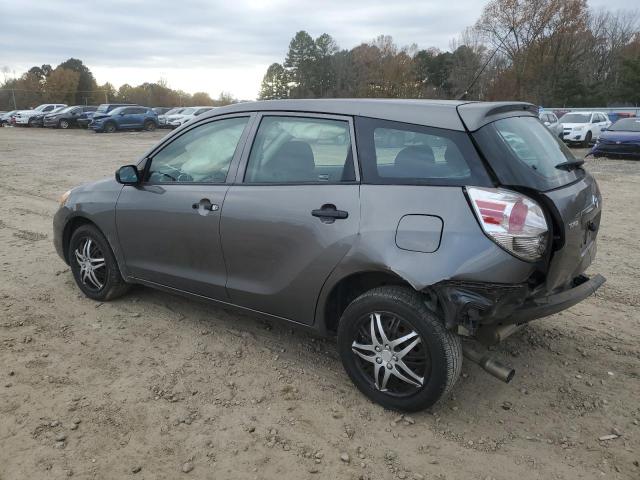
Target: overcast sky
(210,45)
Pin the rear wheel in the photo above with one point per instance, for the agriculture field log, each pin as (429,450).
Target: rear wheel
(587,140)
(63,124)
(149,126)
(94,266)
(397,351)
(109,127)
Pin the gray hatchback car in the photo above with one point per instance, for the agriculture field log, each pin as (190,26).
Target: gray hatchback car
(417,232)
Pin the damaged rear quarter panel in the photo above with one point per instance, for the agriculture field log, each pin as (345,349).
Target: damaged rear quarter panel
(465,253)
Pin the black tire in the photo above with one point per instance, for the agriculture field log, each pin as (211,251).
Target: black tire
(113,285)
(30,123)
(64,124)
(442,348)
(149,125)
(587,140)
(109,127)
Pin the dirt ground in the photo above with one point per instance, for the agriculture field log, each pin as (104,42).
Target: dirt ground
(155,386)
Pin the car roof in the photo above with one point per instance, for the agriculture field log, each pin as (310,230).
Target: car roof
(449,114)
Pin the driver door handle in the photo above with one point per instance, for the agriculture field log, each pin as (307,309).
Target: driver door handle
(206,204)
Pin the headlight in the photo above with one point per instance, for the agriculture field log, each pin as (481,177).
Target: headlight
(64,197)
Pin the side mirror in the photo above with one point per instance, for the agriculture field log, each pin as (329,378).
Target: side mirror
(128,175)
(547,123)
(121,113)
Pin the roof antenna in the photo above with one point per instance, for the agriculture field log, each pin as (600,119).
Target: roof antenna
(475,79)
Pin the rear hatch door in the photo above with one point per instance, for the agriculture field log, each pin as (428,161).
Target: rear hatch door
(523,155)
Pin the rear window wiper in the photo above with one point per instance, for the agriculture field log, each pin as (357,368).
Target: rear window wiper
(570,165)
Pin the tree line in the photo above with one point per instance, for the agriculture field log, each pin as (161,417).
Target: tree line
(72,83)
(549,52)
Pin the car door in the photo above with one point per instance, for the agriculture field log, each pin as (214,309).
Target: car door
(595,125)
(168,226)
(292,214)
(134,117)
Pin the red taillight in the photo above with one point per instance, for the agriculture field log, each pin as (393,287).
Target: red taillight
(518,217)
(513,221)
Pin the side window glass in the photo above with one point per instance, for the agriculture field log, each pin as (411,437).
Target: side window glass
(301,150)
(410,154)
(202,154)
(400,153)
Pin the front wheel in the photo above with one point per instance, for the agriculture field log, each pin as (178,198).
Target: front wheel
(63,124)
(587,140)
(109,127)
(397,351)
(94,266)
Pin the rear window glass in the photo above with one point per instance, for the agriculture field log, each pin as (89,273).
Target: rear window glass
(401,153)
(523,152)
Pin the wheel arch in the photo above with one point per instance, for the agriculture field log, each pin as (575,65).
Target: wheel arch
(347,289)
(76,222)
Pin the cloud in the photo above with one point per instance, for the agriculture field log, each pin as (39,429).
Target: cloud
(209,45)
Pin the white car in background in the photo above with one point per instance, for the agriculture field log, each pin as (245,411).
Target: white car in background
(185,115)
(162,119)
(583,128)
(23,117)
(551,122)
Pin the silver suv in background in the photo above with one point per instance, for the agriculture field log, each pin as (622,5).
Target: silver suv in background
(414,231)
(551,122)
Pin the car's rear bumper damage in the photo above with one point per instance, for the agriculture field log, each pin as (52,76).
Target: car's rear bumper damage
(482,308)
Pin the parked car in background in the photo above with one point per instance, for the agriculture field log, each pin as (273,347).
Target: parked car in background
(160,110)
(583,128)
(103,108)
(68,116)
(38,119)
(24,117)
(162,119)
(185,115)
(471,222)
(620,139)
(551,122)
(125,118)
(5,119)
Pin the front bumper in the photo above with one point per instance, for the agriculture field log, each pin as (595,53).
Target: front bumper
(60,220)
(21,120)
(574,136)
(473,305)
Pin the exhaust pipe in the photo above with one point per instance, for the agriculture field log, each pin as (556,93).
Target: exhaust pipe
(488,363)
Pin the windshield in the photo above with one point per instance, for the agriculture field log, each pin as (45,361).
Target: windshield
(40,108)
(102,108)
(174,111)
(576,118)
(523,152)
(117,110)
(626,125)
(188,111)
(64,110)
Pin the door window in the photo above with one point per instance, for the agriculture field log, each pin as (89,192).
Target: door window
(202,154)
(301,150)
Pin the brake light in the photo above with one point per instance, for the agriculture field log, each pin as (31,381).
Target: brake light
(510,219)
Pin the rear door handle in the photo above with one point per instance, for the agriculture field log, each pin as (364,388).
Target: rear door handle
(330,212)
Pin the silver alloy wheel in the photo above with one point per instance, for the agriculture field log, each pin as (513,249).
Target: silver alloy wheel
(64,124)
(391,355)
(92,264)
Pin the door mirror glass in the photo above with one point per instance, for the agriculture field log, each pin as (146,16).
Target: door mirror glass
(128,175)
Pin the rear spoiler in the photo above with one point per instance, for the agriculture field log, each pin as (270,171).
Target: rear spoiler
(475,115)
